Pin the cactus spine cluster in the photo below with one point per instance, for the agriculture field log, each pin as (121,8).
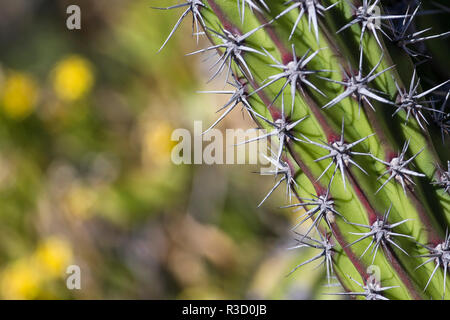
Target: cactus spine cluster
(362,142)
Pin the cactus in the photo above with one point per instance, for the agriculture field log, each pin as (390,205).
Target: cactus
(362,142)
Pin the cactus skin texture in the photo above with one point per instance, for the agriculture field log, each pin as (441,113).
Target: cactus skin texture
(369,156)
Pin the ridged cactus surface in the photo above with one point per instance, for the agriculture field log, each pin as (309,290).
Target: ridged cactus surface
(359,127)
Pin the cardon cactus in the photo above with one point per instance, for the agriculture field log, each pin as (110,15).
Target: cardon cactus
(357,111)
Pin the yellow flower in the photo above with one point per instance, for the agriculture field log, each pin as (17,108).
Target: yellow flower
(157,143)
(80,201)
(72,78)
(19,95)
(53,256)
(27,277)
(20,280)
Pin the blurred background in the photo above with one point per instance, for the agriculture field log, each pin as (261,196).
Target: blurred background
(86,118)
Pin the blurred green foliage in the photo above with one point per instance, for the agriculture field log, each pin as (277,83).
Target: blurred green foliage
(86,118)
